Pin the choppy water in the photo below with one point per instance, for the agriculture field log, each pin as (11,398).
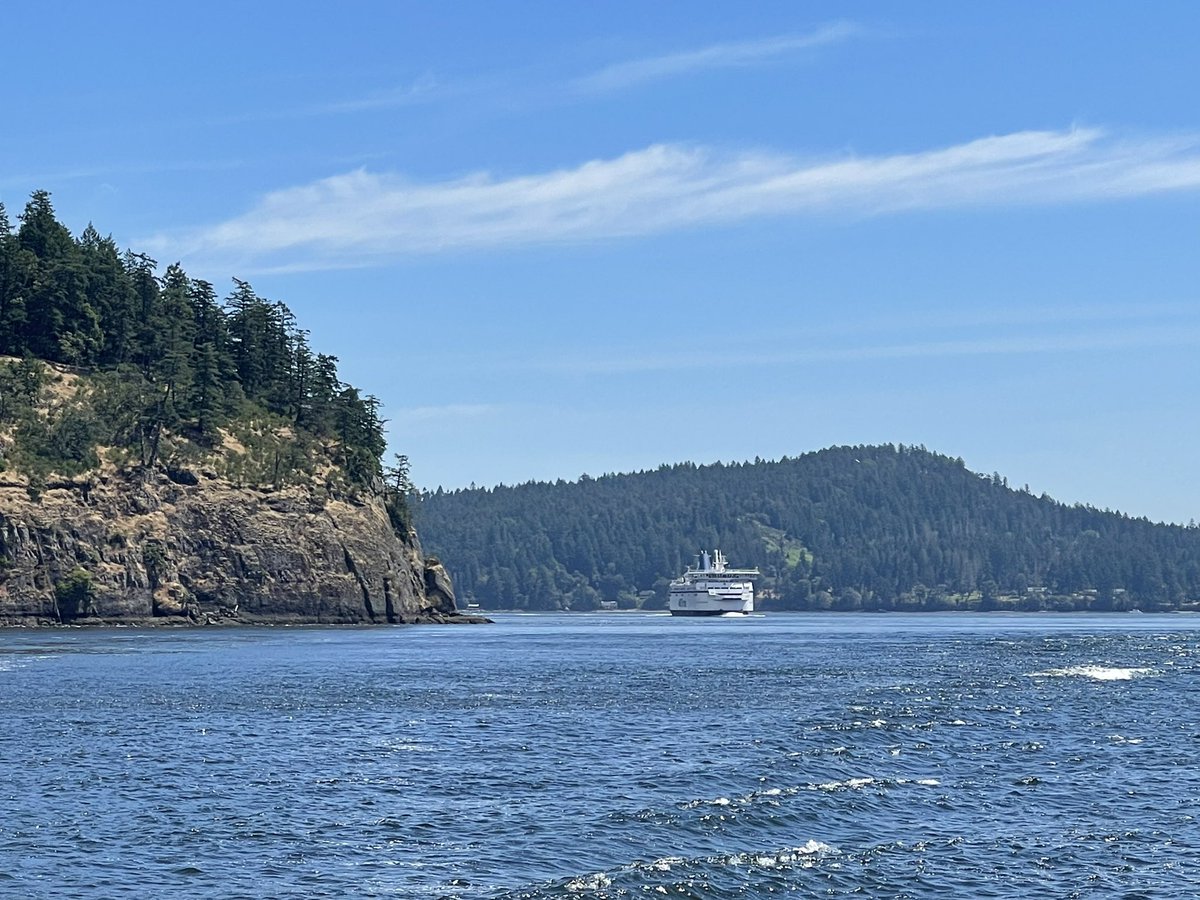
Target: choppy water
(607,756)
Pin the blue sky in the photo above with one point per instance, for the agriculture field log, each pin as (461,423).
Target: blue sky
(562,238)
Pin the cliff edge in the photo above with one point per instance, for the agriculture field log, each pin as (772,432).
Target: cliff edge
(190,547)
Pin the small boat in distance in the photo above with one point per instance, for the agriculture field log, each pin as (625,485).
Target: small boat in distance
(712,589)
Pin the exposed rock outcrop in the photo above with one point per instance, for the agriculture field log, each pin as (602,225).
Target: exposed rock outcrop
(192,548)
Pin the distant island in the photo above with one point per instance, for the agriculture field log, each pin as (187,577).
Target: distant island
(869,528)
(169,457)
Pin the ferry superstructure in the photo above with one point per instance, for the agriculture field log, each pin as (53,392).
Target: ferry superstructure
(712,589)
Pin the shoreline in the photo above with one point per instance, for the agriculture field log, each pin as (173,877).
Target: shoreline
(165,622)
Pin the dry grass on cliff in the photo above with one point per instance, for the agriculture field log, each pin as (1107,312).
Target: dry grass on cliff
(62,383)
(259,451)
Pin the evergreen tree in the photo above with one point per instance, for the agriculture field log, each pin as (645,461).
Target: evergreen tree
(303,371)
(245,315)
(211,367)
(15,266)
(60,324)
(110,293)
(176,328)
(324,387)
(140,269)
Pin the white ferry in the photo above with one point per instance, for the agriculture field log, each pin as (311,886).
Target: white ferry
(712,589)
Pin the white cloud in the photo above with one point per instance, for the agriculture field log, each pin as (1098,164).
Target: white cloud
(366,218)
(717,56)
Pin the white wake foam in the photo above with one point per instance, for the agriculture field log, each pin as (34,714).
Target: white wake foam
(804,856)
(595,882)
(848,784)
(1096,673)
(1121,739)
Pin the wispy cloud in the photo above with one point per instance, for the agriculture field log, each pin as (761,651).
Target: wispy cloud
(1089,341)
(425,89)
(422,415)
(136,167)
(420,91)
(718,56)
(365,218)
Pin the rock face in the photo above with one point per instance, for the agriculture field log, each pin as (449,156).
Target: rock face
(199,550)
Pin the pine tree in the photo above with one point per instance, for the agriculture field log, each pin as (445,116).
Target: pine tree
(209,362)
(15,264)
(246,323)
(60,324)
(140,269)
(110,292)
(172,369)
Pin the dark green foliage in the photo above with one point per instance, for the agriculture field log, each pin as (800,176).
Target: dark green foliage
(74,594)
(59,321)
(154,558)
(21,384)
(854,528)
(58,439)
(110,292)
(399,515)
(214,391)
(62,442)
(164,362)
(399,491)
(15,268)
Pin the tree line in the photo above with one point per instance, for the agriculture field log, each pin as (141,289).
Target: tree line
(170,369)
(849,528)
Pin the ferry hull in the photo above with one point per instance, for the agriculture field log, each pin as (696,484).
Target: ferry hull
(711,613)
(697,603)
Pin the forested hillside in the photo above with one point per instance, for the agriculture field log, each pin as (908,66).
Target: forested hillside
(871,528)
(155,369)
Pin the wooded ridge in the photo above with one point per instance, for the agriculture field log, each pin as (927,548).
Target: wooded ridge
(847,528)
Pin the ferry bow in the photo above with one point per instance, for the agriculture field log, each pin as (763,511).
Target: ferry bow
(711,588)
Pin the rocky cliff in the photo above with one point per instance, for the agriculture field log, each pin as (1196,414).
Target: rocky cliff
(190,547)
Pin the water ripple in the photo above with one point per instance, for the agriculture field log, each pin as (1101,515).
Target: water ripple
(604,757)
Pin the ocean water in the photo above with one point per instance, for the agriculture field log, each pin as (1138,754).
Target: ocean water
(605,756)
